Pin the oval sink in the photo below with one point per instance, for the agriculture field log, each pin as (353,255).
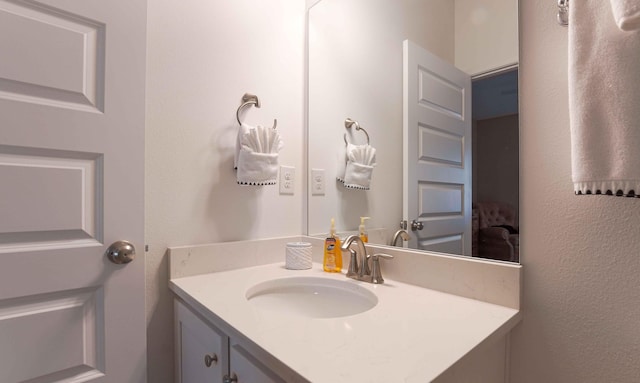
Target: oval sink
(312,297)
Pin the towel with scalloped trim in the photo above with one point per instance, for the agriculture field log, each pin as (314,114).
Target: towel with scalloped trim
(358,168)
(604,89)
(257,155)
(626,14)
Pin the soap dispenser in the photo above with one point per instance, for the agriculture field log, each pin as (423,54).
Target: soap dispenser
(332,261)
(364,236)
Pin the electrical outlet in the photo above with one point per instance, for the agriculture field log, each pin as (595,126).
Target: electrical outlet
(317,182)
(287,179)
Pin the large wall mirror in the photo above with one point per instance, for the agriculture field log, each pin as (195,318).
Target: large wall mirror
(390,65)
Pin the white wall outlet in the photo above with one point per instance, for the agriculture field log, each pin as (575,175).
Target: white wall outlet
(317,181)
(287,179)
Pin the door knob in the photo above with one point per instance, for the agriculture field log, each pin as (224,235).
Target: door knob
(416,225)
(121,252)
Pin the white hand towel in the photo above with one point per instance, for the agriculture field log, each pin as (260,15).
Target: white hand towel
(626,14)
(257,162)
(360,161)
(244,128)
(604,107)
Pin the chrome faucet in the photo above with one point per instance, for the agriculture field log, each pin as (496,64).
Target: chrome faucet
(400,234)
(359,270)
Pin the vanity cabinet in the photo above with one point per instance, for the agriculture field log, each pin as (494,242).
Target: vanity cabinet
(205,353)
(202,352)
(438,338)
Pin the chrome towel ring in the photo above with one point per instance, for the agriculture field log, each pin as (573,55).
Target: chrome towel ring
(348,123)
(247,100)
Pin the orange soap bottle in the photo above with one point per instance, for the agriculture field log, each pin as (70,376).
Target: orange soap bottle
(332,262)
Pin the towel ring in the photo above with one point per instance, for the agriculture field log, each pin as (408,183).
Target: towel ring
(563,12)
(348,123)
(247,100)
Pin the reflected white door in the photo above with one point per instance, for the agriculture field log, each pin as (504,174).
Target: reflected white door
(437,152)
(72,76)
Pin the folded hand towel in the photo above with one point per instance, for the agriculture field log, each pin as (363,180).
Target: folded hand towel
(257,162)
(244,128)
(626,14)
(360,160)
(604,89)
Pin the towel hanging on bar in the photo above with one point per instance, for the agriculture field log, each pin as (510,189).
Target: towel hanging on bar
(257,147)
(604,89)
(355,172)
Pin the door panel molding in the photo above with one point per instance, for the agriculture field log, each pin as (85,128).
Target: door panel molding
(73,48)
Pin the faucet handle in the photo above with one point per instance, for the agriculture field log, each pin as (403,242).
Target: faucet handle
(376,274)
(353,264)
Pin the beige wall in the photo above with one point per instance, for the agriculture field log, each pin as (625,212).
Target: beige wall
(202,57)
(581,255)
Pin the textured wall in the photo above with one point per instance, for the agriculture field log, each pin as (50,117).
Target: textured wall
(581,255)
(202,57)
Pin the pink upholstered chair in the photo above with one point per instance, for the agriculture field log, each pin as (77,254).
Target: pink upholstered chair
(497,235)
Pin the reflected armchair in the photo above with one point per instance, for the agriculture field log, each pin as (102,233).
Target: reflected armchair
(498,233)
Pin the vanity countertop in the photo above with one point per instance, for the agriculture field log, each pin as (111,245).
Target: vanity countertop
(413,334)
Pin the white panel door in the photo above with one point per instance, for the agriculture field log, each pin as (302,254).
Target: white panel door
(72,76)
(437,152)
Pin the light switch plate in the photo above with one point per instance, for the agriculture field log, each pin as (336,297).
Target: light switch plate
(287,179)
(317,181)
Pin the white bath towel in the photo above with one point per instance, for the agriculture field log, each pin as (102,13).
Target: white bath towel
(626,14)
(257,162)
(358,167)
(604,101)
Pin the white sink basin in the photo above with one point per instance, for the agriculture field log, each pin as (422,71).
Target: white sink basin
(312,297)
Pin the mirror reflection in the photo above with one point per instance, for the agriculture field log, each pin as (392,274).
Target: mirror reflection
(445,158)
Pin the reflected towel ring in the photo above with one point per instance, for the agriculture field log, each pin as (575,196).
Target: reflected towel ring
(348,123)
(247,100)
(563,12)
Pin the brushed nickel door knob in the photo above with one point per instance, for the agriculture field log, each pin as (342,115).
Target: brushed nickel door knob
(416,225)
(121,252)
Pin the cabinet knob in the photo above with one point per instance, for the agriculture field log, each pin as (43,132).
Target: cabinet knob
(209,360)
(232,379)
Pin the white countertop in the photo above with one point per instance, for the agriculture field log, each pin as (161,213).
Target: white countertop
(413,334)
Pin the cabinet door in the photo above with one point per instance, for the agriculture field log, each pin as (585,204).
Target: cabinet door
(202,351)
(248,369)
